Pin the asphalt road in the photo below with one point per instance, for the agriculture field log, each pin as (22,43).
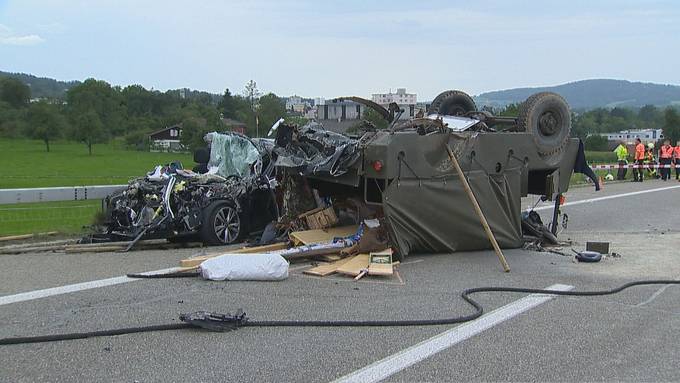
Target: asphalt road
(630,336)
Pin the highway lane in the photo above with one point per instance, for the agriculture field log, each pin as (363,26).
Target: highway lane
(629,336)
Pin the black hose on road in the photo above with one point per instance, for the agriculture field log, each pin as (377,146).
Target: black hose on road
(240,321)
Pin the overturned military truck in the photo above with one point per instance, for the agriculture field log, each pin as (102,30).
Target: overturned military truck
(403,173)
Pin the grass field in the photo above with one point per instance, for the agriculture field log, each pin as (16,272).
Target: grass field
(26,164)
(67,217)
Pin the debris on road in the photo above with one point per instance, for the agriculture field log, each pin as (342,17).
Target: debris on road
(245,267)
(21,237)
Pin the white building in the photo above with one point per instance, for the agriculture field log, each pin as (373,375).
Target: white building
(645,135)
(292,101)
(401,98)
(406,101)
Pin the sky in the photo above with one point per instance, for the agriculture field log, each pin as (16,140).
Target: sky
(340,48)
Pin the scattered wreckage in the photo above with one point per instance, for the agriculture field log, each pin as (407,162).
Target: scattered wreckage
(402,176)
(228,195)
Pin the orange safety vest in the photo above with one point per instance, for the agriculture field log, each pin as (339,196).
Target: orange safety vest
(677,151)
(667,151)
(639,152)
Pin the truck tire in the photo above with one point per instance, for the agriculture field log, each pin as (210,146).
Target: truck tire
(222,224)
(547,117)
(452,103)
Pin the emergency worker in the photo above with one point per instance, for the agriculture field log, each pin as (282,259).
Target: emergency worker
(676,160)
(639,160)
(622,156)
(665,159)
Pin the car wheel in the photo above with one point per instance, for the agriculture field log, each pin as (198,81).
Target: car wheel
(222,224)
(547,117)
(452,103)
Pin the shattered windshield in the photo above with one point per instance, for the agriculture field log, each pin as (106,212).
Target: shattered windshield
(231,154)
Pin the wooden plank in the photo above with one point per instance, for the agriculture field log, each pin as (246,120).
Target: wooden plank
(16,237)
(329,257)
(327,269)
(355,265)
(380,263)
(309,237)
(195,261)
(262,249)
(26,236)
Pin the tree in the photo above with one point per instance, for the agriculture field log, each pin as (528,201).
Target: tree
(374,118)
(671,126)
(227,105)
(100,98)
(648,113)
(45,122)
(510,110)
(14,92)
(597,143)
(252,94)
(89,129)
(270,109)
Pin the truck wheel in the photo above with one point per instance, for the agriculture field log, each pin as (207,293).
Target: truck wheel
(547,117)
(452,103)
(222,224)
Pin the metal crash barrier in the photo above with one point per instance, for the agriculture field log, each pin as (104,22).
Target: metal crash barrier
(63,193)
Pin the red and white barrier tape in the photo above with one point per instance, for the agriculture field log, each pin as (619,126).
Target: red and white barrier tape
(634,166)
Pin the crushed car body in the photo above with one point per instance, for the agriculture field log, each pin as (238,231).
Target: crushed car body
(230,198)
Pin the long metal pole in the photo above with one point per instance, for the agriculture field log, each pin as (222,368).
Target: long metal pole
(478,210)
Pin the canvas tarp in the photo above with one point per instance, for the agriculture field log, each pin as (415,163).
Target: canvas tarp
(436,215)
(231,154)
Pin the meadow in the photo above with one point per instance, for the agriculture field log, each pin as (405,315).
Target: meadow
(26,164)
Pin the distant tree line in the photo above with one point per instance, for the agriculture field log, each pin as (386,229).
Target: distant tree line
(94,112)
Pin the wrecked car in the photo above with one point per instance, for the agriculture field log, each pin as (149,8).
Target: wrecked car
(404,174)
(228,196)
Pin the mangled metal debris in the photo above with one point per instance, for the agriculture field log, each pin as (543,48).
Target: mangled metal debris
(233,198)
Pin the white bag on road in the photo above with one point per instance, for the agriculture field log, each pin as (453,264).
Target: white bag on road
(245,267)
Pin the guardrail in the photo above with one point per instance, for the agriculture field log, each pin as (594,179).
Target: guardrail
(51,194)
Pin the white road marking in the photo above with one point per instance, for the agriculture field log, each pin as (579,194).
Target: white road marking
(590,200)
(654,296)
(37,294)
(389,366)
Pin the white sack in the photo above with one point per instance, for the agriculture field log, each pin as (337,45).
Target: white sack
(245,267)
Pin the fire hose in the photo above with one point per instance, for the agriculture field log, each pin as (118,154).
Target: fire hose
(227,322)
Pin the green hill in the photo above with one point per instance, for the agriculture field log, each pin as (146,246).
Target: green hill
(588,94)
(42,87)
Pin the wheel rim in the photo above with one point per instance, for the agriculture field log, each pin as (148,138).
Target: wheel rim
(547,124)
(227,224)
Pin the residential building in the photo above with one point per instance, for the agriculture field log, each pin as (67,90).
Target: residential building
(166,139)
(645,135)
(338,116)
(406,101)
(234,125)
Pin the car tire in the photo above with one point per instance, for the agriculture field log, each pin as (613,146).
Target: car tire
(452,103)
(547,117)
(222,224)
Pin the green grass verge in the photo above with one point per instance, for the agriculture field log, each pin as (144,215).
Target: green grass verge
(68,217)
(26,164)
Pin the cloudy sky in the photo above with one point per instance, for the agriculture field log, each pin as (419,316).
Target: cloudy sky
(350,47)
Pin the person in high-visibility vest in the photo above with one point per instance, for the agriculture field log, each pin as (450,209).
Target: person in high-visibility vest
(622,156)
(639,160)
(665,158)
(676,160)
(650,161)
